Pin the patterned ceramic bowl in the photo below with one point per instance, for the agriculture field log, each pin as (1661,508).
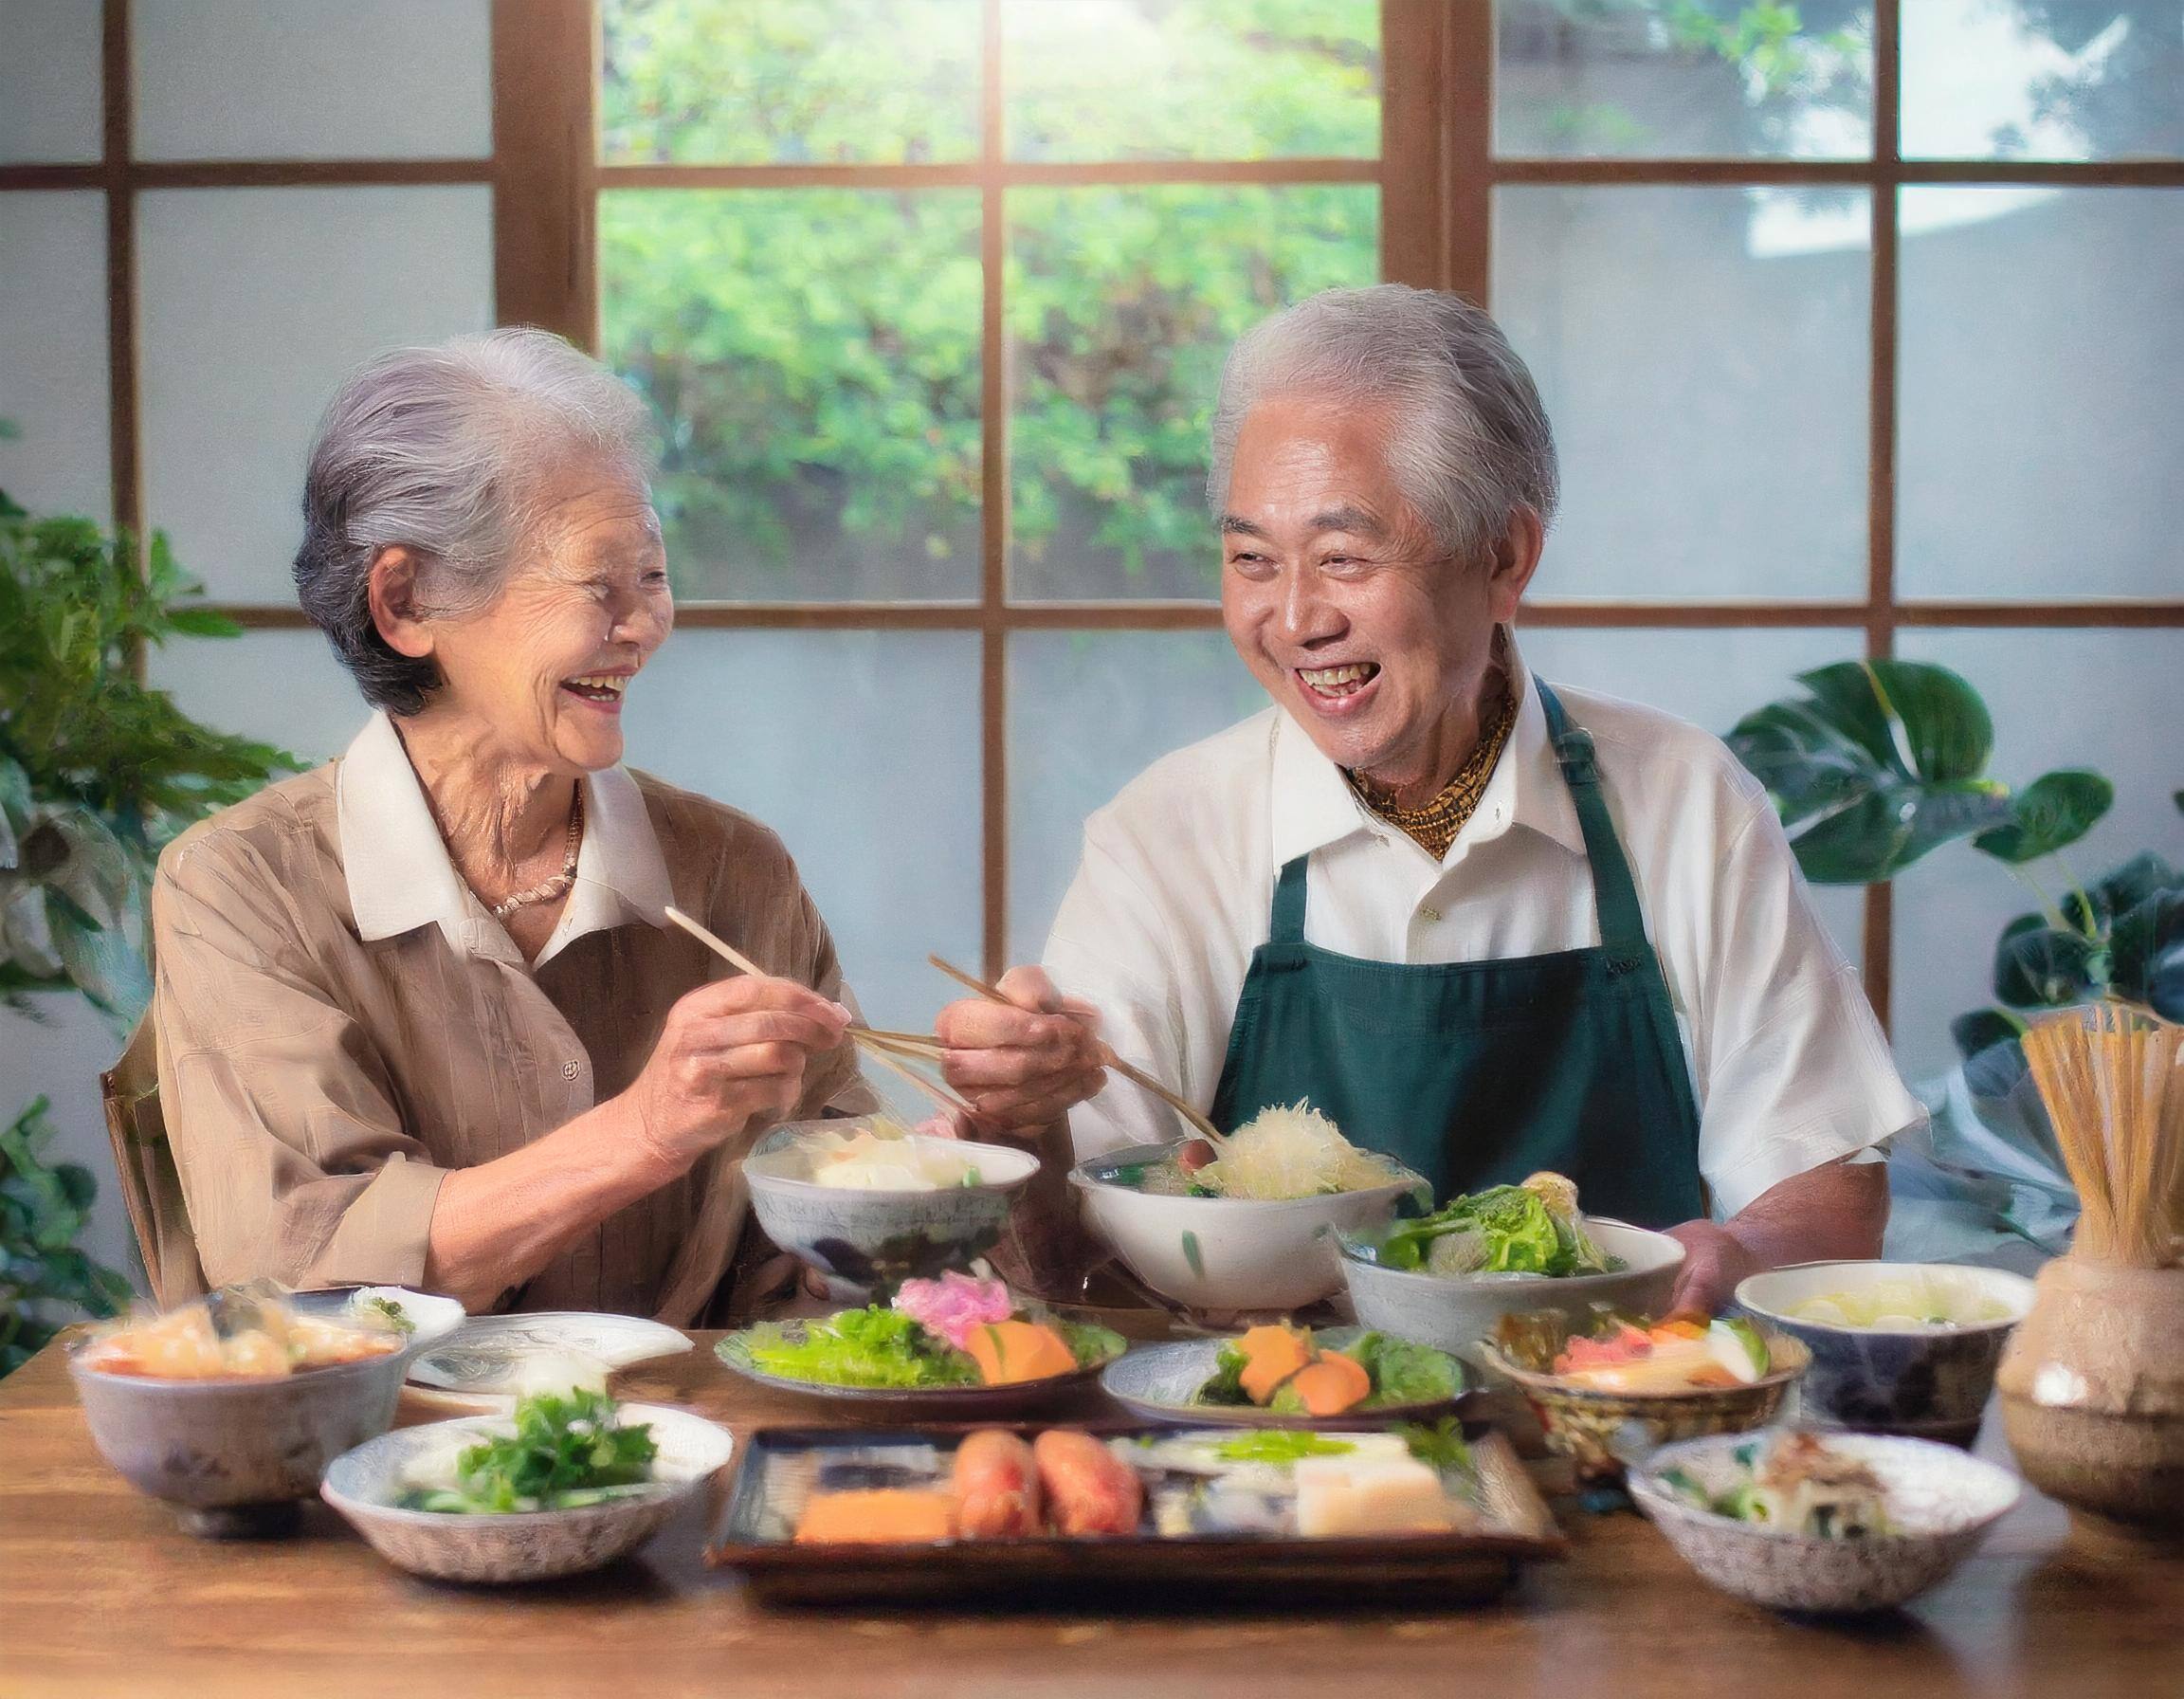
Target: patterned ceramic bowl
(1227,1255)
(1940,1504)
(879,1238)
(234,1458)
(1458,1312)
(365,1483)
(1603,1432)
(1929,1383)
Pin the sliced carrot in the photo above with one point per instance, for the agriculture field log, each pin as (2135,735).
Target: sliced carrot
(1271,1353)
(1331,1384)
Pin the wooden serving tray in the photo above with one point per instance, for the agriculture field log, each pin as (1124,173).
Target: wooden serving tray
(1180,1573)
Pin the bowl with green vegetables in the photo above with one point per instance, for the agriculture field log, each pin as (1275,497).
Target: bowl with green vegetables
(565,1484)
(1447,1279)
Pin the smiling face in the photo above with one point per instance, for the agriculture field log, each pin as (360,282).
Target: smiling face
(1343,605)
(539,672)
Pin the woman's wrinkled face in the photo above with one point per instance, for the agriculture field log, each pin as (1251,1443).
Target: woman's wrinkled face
(544,667)
(1337,595)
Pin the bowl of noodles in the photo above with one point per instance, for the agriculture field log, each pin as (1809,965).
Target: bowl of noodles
(229,1407)
(1247,1227)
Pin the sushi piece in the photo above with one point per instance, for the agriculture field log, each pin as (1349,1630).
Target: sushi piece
(996,1486)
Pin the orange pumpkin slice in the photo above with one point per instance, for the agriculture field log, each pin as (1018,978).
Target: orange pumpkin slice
(1006,1352)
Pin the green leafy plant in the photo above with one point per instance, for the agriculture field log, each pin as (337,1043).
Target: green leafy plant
(1882,762)
(44,1279)
(98,772)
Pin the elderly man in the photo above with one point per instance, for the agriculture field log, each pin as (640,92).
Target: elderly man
(1488,924)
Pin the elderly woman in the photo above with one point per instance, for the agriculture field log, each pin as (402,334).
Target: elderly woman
(419,1015)
(1489,924)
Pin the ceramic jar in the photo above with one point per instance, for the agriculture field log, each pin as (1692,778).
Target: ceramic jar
(2093,1391)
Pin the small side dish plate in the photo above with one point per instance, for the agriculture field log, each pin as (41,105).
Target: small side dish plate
(1157,1382)
(920,1404)
(781,1466)
(484,1358)
(364,1485)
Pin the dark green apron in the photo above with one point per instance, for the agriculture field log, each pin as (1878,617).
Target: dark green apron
(1478,1074)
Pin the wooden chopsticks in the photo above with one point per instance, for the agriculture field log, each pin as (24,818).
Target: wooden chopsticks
(1135,1075)
(885,1048)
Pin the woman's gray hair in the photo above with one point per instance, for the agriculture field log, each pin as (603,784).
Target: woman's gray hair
(443,450)
(1470,441)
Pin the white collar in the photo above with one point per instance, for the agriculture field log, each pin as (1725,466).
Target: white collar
(1314,806)
(400,876)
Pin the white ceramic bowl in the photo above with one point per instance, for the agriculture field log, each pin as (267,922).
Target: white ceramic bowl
(364,1484)
(1940,1504)
(1227,1255)
(1931,1383)
(1459,1311)
(875,1237)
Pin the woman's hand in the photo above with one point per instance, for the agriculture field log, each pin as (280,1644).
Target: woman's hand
(732,1055)
(1021,1069)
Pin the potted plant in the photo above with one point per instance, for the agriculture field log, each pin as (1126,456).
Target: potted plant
(98,771)
(1880,764)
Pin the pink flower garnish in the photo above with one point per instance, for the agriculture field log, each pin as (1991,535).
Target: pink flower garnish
(954,1303)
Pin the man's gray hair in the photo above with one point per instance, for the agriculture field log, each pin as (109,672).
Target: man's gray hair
(1470,441)
(443,450)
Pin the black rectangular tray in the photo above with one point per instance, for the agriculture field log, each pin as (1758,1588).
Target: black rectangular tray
(1182,1572)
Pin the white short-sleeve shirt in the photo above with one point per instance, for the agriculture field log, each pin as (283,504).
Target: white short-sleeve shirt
(1788,1066)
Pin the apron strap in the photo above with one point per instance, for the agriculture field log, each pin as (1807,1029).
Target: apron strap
(1622,921)
(1287,924)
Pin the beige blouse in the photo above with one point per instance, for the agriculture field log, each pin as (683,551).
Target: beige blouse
(340,1022)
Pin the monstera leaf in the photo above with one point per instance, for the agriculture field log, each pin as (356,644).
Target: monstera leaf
(1886,760)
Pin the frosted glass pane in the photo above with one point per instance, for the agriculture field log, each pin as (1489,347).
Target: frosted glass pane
(1713,679)
(254,303)
(2041,397)
(50,111)
(1094,79)
(2094,698)
(2034,80)
(53,352)
(1683,79)
(1088,711)
(283,687)
(861,749)
(312,80)
(1703,354)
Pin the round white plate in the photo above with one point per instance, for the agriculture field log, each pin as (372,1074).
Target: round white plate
(484,1357)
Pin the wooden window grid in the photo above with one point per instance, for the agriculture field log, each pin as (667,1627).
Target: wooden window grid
(1436,174)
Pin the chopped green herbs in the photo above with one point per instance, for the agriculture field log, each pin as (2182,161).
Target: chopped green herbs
(566,1452)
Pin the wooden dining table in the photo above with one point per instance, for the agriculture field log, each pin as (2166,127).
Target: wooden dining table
(101,1593)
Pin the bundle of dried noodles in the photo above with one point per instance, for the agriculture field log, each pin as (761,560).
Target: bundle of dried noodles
(2113,1080)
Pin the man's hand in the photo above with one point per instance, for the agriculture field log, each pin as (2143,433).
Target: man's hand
(1021,1069)
(1834,1210)
(1715,1260)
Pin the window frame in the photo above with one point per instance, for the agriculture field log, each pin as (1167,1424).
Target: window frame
(1436,173)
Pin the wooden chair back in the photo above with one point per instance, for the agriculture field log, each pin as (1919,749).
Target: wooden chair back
(151,1186)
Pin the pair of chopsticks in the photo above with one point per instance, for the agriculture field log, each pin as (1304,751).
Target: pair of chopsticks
(1135,1075)
(891,1050)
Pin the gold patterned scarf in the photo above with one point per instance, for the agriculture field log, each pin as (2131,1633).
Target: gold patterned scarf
(1434,824)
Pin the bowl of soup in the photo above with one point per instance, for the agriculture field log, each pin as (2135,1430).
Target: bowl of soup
(231,1407)
(1905,1348)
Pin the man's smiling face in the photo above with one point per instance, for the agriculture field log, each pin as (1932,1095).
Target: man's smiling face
(1339,599)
